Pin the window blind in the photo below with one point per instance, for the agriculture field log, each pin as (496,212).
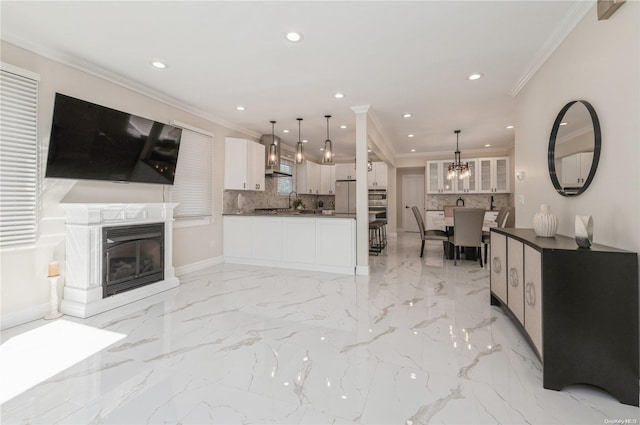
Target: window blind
(285,184)
(18,159)
(193,185)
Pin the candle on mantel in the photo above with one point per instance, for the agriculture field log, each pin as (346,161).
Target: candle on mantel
(54,269)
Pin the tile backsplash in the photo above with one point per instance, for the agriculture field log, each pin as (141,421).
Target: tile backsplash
(244,201)
(437,202)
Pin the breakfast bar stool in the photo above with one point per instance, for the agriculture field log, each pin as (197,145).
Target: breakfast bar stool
(375,238)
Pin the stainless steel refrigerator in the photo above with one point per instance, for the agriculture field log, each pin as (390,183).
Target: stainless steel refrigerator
(346,197)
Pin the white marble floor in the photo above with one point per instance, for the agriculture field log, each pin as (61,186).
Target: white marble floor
(416,342)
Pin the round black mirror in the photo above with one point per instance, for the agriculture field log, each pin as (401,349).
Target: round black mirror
(574,148)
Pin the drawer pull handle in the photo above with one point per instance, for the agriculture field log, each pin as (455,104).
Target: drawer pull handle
(513,277)
(496,265)
(530,294)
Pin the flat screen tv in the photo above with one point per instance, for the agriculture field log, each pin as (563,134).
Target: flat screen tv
(93,142)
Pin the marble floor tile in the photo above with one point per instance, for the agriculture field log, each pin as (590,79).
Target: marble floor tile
(416,342)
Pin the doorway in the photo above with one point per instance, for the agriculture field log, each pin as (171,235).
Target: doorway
(412,194)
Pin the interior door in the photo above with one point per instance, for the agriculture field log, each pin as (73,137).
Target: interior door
(412,194)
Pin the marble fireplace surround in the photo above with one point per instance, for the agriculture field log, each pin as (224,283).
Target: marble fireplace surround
(82,296)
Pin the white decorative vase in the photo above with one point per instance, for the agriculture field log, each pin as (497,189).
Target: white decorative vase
(545,223)
(584,231)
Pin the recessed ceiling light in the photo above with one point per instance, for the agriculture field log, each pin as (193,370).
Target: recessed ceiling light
(475,76)
(487,145)
(305,141)
(343,126)
(158,64)
(406,116)
(413,150)
(240,108)
(510,126)
(368,150)
(564,123)
(410,135)
(339,95)
(285,131)
(321,149)
(294,36)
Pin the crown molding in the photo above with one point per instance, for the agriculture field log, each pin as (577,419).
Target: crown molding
(91,68)
(568,23)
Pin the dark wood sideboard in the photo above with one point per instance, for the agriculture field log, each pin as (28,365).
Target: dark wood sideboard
(577,307)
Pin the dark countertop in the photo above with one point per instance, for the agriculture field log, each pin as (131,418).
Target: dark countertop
(529,237)
(290,214)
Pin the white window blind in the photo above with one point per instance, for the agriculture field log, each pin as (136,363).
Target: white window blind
(18,159)
(193,185)
(285,184)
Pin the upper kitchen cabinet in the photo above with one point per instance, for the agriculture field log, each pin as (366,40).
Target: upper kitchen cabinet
(377,176)
(575,169)
(243,164)
(493,175)
(345,171)
(308,178)
(436,176)
(327,180)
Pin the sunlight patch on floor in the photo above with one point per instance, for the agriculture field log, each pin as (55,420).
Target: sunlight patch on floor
(34,356)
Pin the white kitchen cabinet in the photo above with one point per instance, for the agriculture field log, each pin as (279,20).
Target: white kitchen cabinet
(575,169)
(236,237)
(430,216)
(299,240)
(533,296)
(335,242)
(377,176)
(327,179)
(346,171)
(436,176)
(306,243)
(243,164)
(499,271)
(308,178)
(266,238)
(493,175)
(470,183)
(515,278)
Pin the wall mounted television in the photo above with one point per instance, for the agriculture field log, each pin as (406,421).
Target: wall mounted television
(93,142)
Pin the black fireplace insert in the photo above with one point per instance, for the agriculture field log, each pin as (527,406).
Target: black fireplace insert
(133,256)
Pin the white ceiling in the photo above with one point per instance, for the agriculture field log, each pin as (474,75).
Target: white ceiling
(396,56)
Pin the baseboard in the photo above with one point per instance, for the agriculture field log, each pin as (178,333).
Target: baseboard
(362,270)
(199,265)
(25,315)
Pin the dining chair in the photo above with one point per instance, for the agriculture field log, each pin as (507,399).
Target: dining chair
(428,235)
(502,219)
(467,224)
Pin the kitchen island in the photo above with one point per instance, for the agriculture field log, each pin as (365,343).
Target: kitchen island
(315,242)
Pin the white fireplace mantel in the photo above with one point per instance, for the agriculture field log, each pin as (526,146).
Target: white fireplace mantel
(82,295)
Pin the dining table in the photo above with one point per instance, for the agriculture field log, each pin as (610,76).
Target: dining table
(449,224)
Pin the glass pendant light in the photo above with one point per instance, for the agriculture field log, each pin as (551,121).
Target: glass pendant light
(273,149)
(457,167)
(327,157)
(299,151)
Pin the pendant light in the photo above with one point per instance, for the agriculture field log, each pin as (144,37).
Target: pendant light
(327,158)
(273,149)
(299,151)
(457,167)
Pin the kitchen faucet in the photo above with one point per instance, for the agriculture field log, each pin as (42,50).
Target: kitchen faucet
(293,191)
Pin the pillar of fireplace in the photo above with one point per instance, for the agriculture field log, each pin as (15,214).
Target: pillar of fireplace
(85,269)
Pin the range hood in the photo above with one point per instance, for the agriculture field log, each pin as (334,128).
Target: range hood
(272,170)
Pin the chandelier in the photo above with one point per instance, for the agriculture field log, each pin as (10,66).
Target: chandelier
(457,167)
(273,148)
(299,150)
(327,157)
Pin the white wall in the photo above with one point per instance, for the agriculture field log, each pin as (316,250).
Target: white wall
(24,289)
(598,62)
